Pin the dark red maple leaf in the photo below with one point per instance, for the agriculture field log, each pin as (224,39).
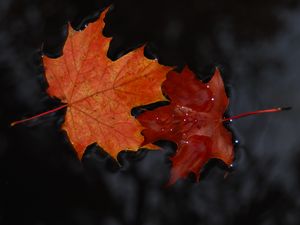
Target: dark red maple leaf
(194,121)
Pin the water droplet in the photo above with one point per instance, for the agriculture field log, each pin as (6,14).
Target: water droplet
(171,129)
(186,114)
(212,99)
(207,86)
(236,141)
(157,118)
(230,120)
(184,120)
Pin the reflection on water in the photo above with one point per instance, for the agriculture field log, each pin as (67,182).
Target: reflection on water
(256,44)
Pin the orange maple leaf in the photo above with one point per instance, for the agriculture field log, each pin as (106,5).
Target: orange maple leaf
(99,93)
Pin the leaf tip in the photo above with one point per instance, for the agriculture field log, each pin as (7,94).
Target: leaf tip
(217,69)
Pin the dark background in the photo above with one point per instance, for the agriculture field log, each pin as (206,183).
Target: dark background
(257,46)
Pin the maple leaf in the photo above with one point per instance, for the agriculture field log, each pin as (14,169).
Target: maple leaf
(193,120)
(99,93)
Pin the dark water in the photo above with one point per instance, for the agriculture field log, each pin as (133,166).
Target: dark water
(256,44)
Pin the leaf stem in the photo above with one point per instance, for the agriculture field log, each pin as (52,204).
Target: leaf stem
(224,120)
(256,112)
(38,115)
